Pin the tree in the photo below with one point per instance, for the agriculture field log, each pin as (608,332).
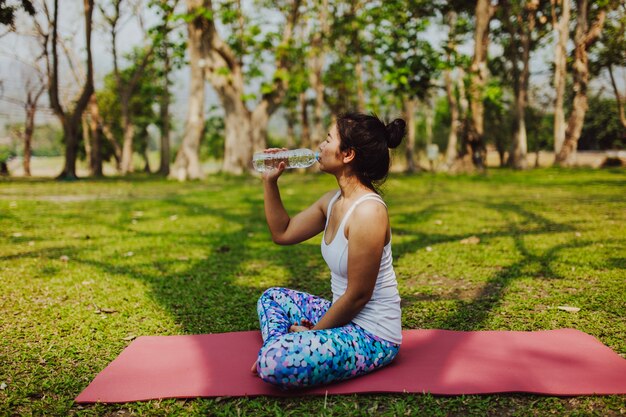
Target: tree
(140,108)
(612,53)
(522,21)
(127,87)
(92,137)
(317,59)
(586,35)
(34,87)
(227,65)
(455,17)
(473,148)
(561,28)
(408,63)
(169,55)
(603,129)
(70,119)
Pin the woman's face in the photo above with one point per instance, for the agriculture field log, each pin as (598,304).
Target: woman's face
(331,156)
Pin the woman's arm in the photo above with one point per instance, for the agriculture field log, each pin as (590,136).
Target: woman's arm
(286,230)
(368,227)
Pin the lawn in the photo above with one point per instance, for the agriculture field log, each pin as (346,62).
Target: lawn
(87,266)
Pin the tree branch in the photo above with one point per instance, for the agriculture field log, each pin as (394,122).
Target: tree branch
(595,31)
(620,105)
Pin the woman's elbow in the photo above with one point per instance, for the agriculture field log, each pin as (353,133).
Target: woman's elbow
(360,299)
(280,240)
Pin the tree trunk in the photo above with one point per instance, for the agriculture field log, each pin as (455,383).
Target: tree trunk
(238,151)
(316,65)
(291,129)
(305,139)
(584,39)
(519,145)
(408,105)
(97,124)
(29,128)
(475,148)
(358,72)
(560,71)
(164,114)
(86,138)
(71,135)
(618,98)
(95,165)
(187,164)
(146,154)
(70,122)
(451,149)
(128,137)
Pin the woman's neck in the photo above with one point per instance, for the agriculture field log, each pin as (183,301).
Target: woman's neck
(350,186)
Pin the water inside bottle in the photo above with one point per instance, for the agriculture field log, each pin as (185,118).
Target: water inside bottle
(266,162)
(262,165)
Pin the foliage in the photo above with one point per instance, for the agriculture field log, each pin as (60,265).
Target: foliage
(498,115)
(212,144)
(441,123)
(539,128)
(602,128)
(408,61)
(255,39)
(193,258)
(142,102)
(6,153)
(47,140)
(346,45)
(611,48)
(8,9)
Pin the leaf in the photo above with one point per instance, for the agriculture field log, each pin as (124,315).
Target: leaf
(223,249)
(472,240)
(99,310)
(569,309)
(129,337)
(3,386)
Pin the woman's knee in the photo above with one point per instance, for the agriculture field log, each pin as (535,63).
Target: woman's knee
(272,366)
(280,366)
(272,292)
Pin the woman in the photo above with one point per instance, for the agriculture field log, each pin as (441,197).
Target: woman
(308,340)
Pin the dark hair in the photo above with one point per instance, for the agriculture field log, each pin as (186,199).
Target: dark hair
(371,139)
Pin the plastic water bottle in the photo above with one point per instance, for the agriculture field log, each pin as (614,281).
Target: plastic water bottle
(297,158)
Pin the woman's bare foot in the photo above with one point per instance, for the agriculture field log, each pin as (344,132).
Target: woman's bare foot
(253,369)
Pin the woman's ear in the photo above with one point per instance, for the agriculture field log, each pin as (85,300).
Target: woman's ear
(348,155)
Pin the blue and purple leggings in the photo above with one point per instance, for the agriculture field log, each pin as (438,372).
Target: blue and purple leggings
(309,358)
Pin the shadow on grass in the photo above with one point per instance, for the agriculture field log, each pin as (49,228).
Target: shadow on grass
(472,314)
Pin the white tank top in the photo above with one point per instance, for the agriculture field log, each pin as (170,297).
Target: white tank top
(381,316)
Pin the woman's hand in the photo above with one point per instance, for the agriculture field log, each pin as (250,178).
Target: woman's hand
(304,326)
(273,174)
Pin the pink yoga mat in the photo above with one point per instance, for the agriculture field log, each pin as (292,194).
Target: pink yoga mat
(556,362)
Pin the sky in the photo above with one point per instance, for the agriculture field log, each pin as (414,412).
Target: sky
(15,49)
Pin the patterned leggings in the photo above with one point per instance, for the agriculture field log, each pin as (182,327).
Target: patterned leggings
(305,359)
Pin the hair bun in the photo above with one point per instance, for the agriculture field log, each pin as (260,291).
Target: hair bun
(396,131)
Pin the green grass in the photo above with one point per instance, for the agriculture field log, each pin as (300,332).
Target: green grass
(172,258)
